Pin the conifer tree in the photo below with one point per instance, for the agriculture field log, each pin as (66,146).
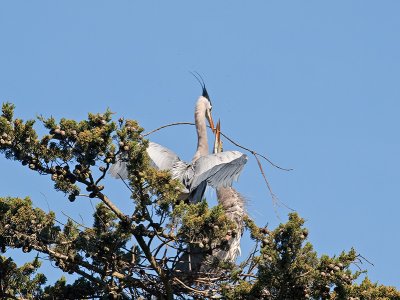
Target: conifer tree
(133,255)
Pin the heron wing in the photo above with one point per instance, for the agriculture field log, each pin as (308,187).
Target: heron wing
(219,169)
(119,169)
(161,157)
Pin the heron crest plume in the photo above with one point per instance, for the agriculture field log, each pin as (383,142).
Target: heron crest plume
(202,84)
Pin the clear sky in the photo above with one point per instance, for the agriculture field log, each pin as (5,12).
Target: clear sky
(314,85)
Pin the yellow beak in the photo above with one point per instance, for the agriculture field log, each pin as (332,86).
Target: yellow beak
(217,141)
(210,120)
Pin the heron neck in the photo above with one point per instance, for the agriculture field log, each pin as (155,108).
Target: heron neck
(201,127)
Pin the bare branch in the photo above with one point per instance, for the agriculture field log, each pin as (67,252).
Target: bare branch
(76,222)
(359,255)
(190,288)
(224,135)
(275,199)
(111,205)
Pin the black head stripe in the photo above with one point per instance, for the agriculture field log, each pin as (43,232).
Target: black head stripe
(202,84)
(205,94)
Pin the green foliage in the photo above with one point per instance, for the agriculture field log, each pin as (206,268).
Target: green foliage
(21,225)
(289,268)
(128,255)
(200,225)
(80,289)
(22,282)
(368,291)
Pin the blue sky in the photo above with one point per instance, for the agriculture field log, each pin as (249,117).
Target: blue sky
(311,84)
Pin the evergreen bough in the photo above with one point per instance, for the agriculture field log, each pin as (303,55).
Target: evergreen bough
(132,255)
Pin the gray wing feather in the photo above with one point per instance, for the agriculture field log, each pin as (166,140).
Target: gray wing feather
(219,169)
(119,169)
(161,158)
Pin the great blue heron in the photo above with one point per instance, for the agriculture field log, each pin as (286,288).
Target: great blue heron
(217,170)
(234,206)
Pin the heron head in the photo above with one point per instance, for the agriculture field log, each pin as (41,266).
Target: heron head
(206,98)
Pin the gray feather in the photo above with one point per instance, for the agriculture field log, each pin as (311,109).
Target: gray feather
(161,157)
(119,169)
(219,169)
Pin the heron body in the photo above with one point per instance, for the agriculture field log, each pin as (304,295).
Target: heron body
(234,206)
